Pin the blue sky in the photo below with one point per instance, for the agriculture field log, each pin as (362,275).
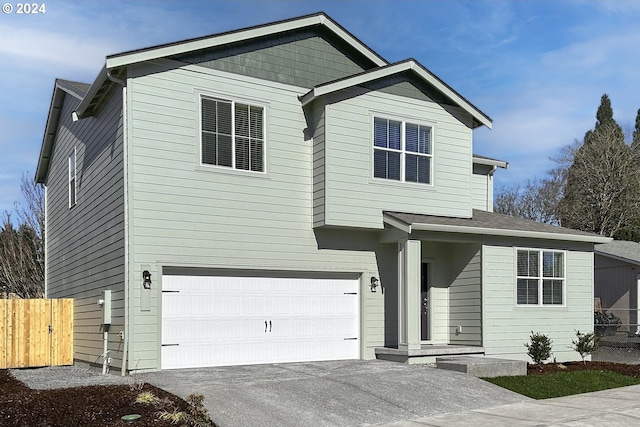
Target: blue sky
(537,68)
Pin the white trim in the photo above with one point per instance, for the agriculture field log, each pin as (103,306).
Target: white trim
(540,277)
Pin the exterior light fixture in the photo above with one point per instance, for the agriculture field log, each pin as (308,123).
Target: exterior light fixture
(146,279)
(374,283)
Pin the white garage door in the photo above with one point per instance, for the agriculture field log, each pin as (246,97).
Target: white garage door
(217,321)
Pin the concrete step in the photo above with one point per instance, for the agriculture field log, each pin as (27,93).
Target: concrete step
(485,367)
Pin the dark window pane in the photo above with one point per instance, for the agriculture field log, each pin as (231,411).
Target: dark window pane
(411,138)
(425,140)
(242,120)
(242,153)
(380,133)
(424,169)
(552,264)
(256,153)
(224,120)
(379,163)
(224,152)
(209,115)
(393,165)
(552,292)
(394,134)
(256,122)
(527,291)
(209,151)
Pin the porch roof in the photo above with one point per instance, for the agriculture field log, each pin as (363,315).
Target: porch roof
(620,249)
(489,224)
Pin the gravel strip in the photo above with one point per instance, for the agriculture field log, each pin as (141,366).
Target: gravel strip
(53,377)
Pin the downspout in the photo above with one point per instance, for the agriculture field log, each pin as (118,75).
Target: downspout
(125,333)
(46,240)
(490,186)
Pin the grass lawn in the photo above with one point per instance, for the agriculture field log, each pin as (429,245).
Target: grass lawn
(563,383)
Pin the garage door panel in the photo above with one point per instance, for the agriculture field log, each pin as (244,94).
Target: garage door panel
(221,320)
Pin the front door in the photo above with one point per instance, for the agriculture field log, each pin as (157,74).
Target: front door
(424,302)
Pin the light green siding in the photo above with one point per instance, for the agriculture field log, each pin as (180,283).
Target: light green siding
(301,58)
(353,198)
(465,296)
(186,215)
(85,245)
(482,188)
(507,326)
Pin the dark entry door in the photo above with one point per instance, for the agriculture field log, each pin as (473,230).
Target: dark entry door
(424,302)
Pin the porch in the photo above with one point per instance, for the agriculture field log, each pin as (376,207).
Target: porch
(427,353)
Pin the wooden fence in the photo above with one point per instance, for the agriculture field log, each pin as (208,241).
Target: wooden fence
(36,332)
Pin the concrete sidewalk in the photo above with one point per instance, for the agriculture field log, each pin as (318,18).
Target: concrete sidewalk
(615,407)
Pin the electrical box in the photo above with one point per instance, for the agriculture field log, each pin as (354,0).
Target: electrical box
(106,307)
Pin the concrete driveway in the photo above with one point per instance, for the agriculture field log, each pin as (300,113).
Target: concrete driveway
(338,393)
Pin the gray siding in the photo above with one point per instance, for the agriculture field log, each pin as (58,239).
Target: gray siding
(301,58)
(507,326)
(465,295)
(85,245)
(353,198)
(186,215)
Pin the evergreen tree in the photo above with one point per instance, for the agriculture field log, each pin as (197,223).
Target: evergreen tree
(635,143)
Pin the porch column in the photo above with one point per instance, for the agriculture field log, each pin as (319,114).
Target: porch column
(409,260)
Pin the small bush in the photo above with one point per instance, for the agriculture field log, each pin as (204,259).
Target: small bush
(147,397)
(539,347)
(586,344)
(198,415)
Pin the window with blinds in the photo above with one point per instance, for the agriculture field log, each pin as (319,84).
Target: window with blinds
(232,134)
(540,277)
(402,151)
(72,179)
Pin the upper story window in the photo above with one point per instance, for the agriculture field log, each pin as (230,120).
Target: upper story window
(72,179)
(540,277)
(232,134)
(402,151)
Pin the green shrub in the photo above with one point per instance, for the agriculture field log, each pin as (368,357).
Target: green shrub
(586,344)
(539,347)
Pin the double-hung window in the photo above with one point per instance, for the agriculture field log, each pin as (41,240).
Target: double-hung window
(402,151)
(232,134)
(540,277)
(72,179)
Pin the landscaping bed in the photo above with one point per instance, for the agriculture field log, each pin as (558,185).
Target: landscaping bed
(98,406)
(552,368)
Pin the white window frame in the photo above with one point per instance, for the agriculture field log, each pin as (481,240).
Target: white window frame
(233,102)
(403,148)
(73,178)
(541,278)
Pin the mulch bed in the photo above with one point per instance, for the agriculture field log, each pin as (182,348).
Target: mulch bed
(98,406)
(552,368)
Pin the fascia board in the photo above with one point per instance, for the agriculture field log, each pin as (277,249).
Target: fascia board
(509,233)
(402,226)
(120,60)
(93,90)
(50,130)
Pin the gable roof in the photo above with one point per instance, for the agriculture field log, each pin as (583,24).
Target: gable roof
(411,65)
(60,89)
(620,249)
(488,224)
(115,63)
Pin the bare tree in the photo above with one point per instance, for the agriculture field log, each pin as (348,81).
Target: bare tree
(602,192)
(536,200)
(22,248)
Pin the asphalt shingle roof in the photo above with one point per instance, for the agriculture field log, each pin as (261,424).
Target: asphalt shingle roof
(620,249)
(490,221)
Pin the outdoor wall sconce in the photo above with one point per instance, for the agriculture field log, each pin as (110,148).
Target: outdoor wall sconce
(146,279)
(374,283)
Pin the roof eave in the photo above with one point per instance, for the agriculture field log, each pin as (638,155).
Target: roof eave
(510,233)
(127,58)
(616,257)
(491,162)
(406,65)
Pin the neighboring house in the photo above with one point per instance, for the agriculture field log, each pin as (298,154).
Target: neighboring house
(282,193)
(617,281)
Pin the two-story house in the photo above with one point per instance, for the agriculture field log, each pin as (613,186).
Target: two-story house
(283,193)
